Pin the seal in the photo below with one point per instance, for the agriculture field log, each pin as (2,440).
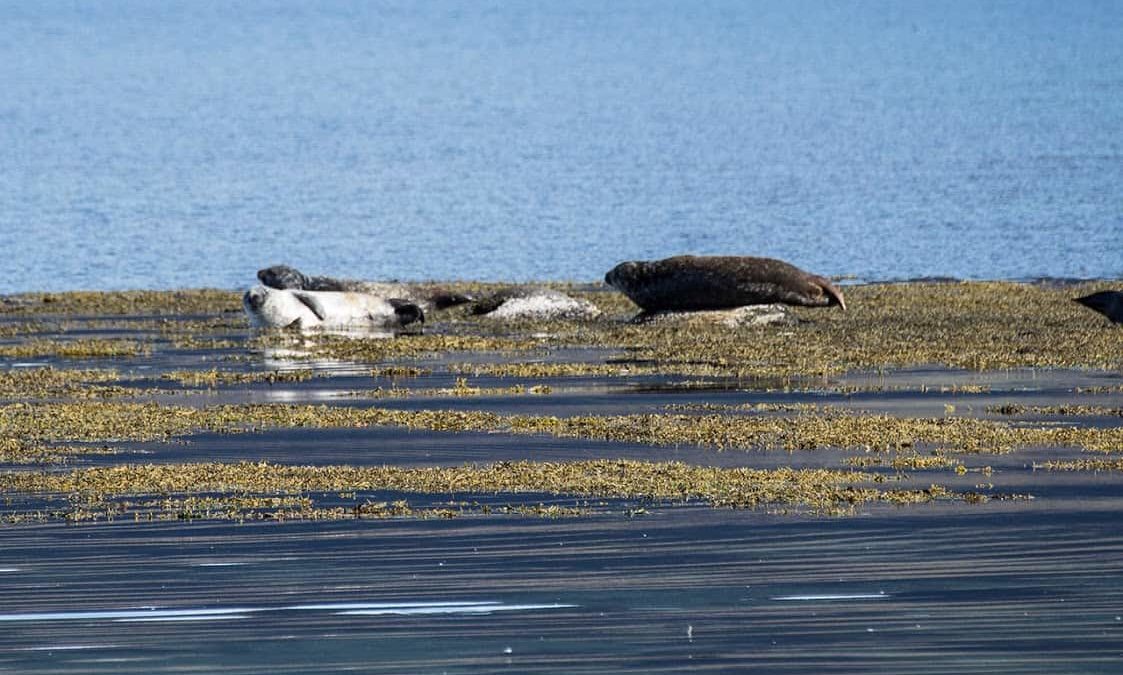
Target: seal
(1108,303)
(532,303)
(269,307)
(284,277)
(694,283)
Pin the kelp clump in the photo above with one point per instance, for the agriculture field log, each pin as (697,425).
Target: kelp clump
(96,493)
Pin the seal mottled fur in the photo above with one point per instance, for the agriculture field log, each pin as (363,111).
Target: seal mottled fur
(694,283)
(281,308)
(533,303)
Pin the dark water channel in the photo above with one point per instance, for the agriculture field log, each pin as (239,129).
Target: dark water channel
(997,590)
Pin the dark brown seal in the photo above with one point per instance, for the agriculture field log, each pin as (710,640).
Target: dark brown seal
(692,283)
(1108,303)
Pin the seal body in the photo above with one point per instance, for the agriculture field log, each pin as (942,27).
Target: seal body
(281,308)
(1108,303)
(533,303)
(289,278)
(693,283)
(284,277)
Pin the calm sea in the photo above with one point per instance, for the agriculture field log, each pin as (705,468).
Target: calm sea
(152,144)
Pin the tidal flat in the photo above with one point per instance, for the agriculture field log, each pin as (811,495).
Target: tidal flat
(929,482)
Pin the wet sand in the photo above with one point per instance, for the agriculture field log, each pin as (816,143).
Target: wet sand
(1011,568)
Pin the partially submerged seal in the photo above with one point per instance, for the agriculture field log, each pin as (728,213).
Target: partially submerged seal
(1108,303)
(693,283)
(282,308)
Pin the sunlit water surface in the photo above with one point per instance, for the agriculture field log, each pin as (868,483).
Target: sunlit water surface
(160,145)
(1019,586)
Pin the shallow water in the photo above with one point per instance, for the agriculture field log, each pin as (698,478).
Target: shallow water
(1022,586)
(166,145)
(996,590)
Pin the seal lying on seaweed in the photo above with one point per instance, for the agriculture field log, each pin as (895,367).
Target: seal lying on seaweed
(282,308)
(694,283)
(284,277)
(533,303)
(508,303)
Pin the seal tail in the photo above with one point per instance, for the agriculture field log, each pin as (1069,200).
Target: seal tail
(833,293)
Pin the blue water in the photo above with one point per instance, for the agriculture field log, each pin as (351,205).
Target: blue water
(148,144)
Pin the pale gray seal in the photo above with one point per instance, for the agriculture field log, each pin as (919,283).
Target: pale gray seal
(737,317)
(1108,303)
(289,278)
(281,308)
(533,303)
(691,283)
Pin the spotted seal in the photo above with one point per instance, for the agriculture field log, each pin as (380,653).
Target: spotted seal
(269,307)
(1108,303)
(533,303)
(694,283)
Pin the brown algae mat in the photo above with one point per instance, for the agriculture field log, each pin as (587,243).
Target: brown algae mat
(85,393)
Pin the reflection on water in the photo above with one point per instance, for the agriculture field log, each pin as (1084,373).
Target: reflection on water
(835,596)
(993,589)
(343,609)
(298,355)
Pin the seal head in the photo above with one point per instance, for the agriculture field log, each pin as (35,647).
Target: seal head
(284,277)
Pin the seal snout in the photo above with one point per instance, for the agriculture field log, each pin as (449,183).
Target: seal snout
(254,298)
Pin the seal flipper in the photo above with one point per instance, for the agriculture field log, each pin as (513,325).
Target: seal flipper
(833,293)
(446,299)
(406,311)
(312,303)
